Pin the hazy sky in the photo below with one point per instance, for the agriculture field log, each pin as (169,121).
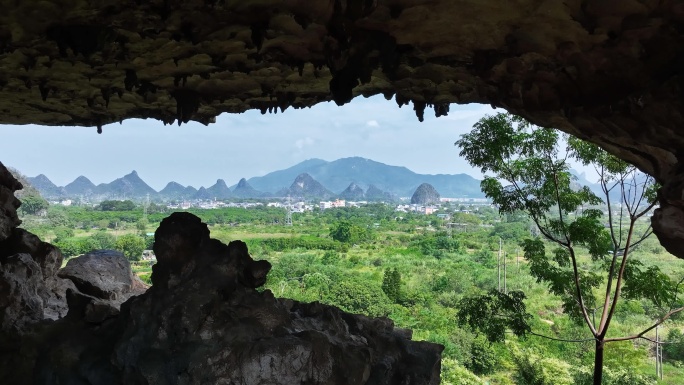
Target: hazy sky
(243,145)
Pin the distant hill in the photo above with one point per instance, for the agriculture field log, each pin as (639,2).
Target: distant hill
(245,190)
(399,181)
(81,186)
(127,187)
(220,190)
(353,193)
(304,186)
(47,189)
(176,191)
(202,194)
(375,194)
(425,194)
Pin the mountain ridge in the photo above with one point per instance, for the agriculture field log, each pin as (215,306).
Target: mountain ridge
(379,181)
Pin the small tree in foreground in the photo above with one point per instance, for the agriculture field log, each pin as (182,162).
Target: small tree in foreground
(571,220)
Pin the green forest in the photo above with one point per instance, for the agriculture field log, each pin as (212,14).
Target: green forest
(551,284)
(370,260)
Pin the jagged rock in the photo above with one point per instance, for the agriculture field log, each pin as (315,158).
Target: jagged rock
(207,324)
(46,255)
(21,303)
(52,289)
(103,274)
(8,202)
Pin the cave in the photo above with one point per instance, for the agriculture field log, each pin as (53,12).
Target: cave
(609,71)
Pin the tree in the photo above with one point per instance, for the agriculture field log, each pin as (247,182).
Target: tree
(131,245)
(347,232)
(33,204)
(117,205)
(391,284)
(570,219)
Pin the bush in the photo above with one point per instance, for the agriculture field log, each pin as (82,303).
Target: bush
(103,240)
(585,376)
(455,374)
(675,349)
(358,297)
(483,358)
(533,369)
(330,257)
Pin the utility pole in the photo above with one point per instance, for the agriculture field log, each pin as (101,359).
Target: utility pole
(504,261)
(498,267)
(659,355)
(145,205)
(288,217)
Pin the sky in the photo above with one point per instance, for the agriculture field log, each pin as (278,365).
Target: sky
(244,145)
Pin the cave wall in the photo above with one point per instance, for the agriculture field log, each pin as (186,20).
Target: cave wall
(608,71)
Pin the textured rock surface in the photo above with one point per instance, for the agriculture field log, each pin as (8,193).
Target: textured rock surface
(608,71)
(8,203)
(104,274)
(425,194)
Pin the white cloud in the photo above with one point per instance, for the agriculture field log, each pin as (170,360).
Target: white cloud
(301,143)
(372,123)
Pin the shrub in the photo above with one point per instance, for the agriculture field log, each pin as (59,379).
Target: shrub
(533,369)
(358,297)
(455,374)
(483,358)
(675,349)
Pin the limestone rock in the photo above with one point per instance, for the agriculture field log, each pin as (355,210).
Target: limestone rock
(51,289)
(103,274)
(425,194)
(21,304)
(8,202)
(212,326)
(46,255)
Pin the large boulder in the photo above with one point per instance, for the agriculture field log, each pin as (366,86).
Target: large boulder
(104,274)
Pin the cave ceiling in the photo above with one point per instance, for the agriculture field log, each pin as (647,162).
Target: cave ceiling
(607,70)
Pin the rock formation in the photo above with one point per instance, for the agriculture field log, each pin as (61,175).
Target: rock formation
(203,321)
(425,194)
(304,186)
